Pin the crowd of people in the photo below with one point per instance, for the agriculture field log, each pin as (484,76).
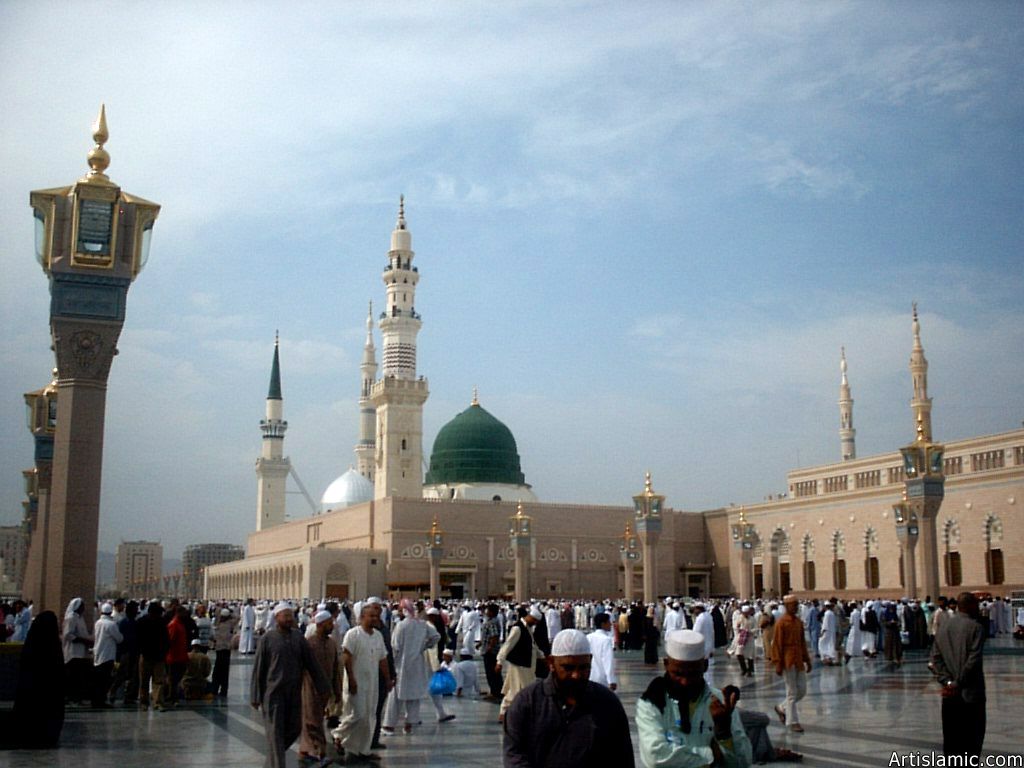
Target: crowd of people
(340,677)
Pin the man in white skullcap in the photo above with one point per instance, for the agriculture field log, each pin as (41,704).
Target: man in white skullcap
(565,719)
(223,632)
(681,720)
(104,652)
(366,660)
(282,655)
(520,654)
(313,743)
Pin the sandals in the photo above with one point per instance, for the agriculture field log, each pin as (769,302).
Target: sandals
(784,755)
(782,715)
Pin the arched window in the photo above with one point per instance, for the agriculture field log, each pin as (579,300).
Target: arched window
(951,555)
(809,576)
(838,560)
(871,579)
(994,572)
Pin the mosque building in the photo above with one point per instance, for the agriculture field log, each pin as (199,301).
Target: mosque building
(834,533)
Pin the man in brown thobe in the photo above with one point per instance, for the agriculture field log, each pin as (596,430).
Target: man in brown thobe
(325,650)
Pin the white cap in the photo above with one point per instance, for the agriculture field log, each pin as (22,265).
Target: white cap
(373,600)
(282,606)
(570,642)
(225,612)
(106,609)
(322,616)
(535,612)
(321,606)
(684,645)
(433,612)
(448,652)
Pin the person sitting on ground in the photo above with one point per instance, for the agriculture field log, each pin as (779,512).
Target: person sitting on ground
(196,682)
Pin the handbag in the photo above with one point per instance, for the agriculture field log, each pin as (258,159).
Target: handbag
(442,683)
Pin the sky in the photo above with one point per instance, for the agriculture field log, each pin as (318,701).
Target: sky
(644,231)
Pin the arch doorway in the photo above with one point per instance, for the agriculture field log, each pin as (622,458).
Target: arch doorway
(337,582)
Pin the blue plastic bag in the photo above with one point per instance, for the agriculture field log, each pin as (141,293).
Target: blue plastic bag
(442,683)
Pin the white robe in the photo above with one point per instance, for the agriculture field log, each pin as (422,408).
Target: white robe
(411,638)
(247,636)
(827,639)
(602,665)
(359,714)
(854,640)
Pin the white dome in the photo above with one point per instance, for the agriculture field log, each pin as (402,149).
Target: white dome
(351,488)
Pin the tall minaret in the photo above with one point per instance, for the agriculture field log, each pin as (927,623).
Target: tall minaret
(272,467)
(399,395)
(920,403)
(846,430)
(367,411)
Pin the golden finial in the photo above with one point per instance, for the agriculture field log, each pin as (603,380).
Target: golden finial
(476,397)
(277,337)
(647,484)
(743,515)
(519,508)
(435,527)
(629,530)
(98,157)
(401,212)
(920,428)
(913,306)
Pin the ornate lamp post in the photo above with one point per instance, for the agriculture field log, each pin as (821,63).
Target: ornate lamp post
(520,534)
(923,490)
(647,507)
(92,240)
(630,551)
(907,531)
(743,538)
(42,423)
(435,544)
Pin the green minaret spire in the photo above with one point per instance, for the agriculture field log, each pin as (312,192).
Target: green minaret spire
(275,373)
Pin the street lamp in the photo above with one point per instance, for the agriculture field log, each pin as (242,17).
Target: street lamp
(92,240)
(744,536)
(647,508)
(520,535)
(923,490)
(629,549)
(435,548)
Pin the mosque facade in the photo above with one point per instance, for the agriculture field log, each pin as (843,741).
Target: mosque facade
(832,533)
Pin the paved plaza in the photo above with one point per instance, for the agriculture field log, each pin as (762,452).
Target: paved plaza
(856,715)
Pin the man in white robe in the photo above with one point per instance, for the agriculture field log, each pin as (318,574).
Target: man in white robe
(247,629)
(365,658)
(705,625)
(412,637)
(519,654)
(827,638)
(468,628)
(674,619)
(602,665)
(854,640)
(553,618)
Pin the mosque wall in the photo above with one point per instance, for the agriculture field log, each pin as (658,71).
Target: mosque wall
(980,526)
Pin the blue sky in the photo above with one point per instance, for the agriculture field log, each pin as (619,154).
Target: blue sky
(644,231)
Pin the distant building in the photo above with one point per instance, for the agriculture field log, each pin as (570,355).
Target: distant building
(138,567)
(13,553)
(198,556)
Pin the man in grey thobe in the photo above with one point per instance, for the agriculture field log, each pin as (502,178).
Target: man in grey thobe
(282,655)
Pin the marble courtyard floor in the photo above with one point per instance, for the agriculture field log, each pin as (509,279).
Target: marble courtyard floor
(856,715)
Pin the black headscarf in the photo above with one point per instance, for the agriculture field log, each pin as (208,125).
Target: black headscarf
(38,714)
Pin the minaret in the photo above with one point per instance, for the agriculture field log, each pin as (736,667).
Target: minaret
(846,431)
(399,395)
(367,411)
(921,403)
(272,467)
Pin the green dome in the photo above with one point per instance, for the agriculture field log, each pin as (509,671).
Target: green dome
(475,447)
